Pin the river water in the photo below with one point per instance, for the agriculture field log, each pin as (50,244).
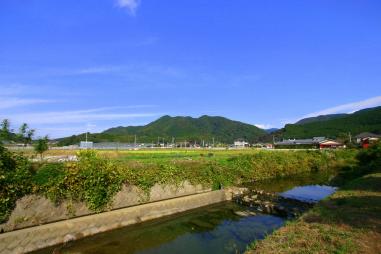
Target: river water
(223,228)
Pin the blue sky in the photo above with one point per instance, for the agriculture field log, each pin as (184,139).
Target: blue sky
(69,66)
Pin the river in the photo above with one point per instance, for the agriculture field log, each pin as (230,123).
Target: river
(222,228)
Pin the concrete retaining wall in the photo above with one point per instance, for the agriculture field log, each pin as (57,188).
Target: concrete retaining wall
(34,210)
(38,237)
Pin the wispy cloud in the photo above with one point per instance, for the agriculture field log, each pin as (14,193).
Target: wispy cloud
(96,70)
(130,5)
(344,108)
(12,89)
(78,116)
(13,102)
(349,107)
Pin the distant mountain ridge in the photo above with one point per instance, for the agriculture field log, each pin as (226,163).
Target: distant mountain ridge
(365,120)
(180,128)
(271,130)
(224,130)
(320,118)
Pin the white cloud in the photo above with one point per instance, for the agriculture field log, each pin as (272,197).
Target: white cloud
(79,116)
(264,126)
(13,102)
(349,107)
(344,108)
(95,70)
(130,5)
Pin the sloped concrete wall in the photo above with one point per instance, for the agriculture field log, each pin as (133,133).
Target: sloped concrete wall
(33,210)
(38,237)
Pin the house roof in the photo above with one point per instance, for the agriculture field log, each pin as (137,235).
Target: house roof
(240,140)
(310,141)
(296,142)
(368,135)
(330,142)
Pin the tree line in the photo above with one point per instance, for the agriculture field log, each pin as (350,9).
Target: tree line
(24,135)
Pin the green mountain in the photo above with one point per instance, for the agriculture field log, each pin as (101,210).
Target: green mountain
(320,118)
(180,128)
(366,120)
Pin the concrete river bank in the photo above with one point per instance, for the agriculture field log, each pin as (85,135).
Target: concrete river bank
(226,227)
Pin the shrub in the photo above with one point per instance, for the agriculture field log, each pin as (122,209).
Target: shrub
(370,159)
(100,180)
(15,180)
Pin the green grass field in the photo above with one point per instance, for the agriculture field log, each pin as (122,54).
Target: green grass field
(162,155)
(158,155)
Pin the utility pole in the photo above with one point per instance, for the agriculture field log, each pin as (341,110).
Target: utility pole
(350,137)
(135,141)
(87,145)
(213,142)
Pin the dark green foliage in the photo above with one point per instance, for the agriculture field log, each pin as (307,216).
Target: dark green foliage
(5,132)
(100,180)
(15,180)
(95,180)
(366,161)
(41,145)
(368,120)
(25,134)
(320,118)
(181,128)
(48,173)
(370,159)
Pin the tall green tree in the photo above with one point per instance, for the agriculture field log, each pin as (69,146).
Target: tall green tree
(5,132)
(41,146)
(26,134)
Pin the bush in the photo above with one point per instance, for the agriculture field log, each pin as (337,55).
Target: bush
(95,180)
(370,159)
(49,173)
(15,180)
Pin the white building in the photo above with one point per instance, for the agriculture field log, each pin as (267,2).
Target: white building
(86,145)
(239,143)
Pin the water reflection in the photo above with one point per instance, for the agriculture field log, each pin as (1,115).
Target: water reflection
(224,228)
(309,193)
(286,183)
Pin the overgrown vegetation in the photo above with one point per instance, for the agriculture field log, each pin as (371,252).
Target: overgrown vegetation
(41,146)
(347,222)
(15,180)
(24,135)
(95,179)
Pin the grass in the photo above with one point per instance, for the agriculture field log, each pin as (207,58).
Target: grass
(175,155)
(158,155)
(99,175)
(347,222)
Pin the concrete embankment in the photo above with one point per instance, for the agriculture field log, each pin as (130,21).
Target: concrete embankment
(38,237)
(35,210)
